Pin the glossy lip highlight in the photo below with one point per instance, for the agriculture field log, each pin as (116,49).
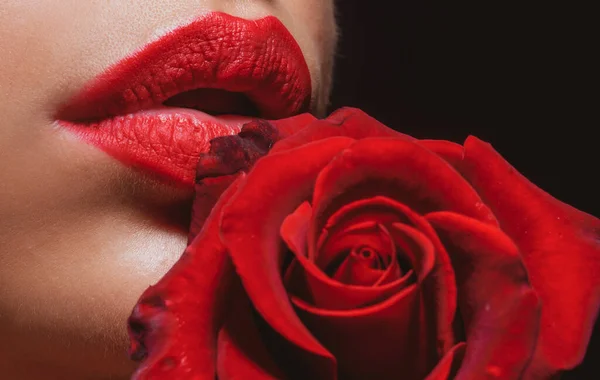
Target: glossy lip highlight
(123,112)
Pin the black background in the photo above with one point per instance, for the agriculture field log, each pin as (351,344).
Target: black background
(515,75)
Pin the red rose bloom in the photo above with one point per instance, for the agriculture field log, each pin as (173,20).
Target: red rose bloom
(351,251)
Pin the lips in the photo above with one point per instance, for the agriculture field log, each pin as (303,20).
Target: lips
(158,109)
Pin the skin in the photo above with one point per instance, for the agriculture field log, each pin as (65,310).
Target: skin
(81,235)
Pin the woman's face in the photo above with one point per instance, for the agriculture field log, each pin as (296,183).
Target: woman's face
(81,233)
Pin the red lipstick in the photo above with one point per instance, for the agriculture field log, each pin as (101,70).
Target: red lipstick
(158,109)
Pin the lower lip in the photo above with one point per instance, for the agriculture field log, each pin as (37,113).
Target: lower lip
(166,143)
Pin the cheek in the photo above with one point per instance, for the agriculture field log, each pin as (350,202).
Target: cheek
(79,275)
(67,301)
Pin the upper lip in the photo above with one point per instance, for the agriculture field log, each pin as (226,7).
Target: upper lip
(256,58)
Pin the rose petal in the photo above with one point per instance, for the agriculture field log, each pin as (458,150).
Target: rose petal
(451,152)
(357,269)
(294,228)
(357,124)
(394,273)
(411,174)
(174,324)
(450,364)
(417,247)
(250,226)
(348,236)
(346,121)
(369,213)
(400,170)
(207,193)
(293,124)
(440,288)
(309,283)
(500,309)
(241,350)
(305,280)
(367,341)
(561,249)
(293,232)
(372,260)
(385,341)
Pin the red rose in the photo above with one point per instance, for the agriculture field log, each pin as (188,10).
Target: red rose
(352,251)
